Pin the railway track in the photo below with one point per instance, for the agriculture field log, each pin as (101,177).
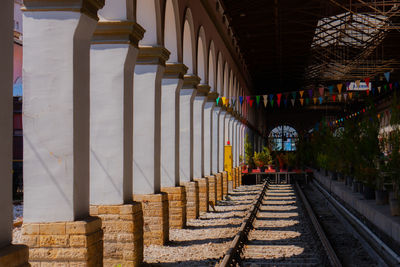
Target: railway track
(281,230)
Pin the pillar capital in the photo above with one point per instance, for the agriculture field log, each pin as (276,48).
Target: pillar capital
(88,7)
(118,32)
(212,96)
(175,71)
(152,55)
(190,81)
(203,89)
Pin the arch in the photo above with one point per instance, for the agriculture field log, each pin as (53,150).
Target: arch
(231,84)
(118,10)
(283,138)
(189,52)
(149,17)
(172,31)
(201,55)
(226,80)
(212,67)
(220,75)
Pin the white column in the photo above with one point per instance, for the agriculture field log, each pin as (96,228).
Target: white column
(198,130)
(215,140)
(221,140)
(56,102)
(6,109)
(227,128)
(171,86)
(208,134)
(149,71)
(235,144)
(112,58)
(186,98)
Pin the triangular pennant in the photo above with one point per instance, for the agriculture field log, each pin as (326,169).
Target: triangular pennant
(340,97)
(334,98)
(347,85)
(301,94)
(330,88)
(385,87)
(286,95)
(367,81)
(396,84)
(387,76)
(233,100)
(279,99)
(373,90)
(251,102)
(285,102)
(258,100)
(248,99)
(358,83)
(339,87)
(307,101)
(351,95)
(345,96)
(265,98)
(218,98)
(315,100)
(271,96)
(379,89)
(320,100)
(224,100)
(293,100)
(272,103)
(390,86)
(302,101)
(241,100)
(367,91)
(310,93)
(294,95)
(321,91)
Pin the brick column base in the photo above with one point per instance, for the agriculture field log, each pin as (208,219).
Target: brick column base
(14,256)
(218,178)
(123,233)
(177,206)
(64,243)
(234,177)
(155,218)
(192,199)
(240,176)
(203,194)
(224,183)
(212,189)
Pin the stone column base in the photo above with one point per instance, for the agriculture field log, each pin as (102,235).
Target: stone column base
(123,233)
(192,199)
(212,189)
(14,256)
(177,206)
(218,178)
(240,176)
(234,177)
(155,218)
(64,243)
(203,194)
(224,183)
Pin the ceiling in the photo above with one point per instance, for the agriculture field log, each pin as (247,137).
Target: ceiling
(292,44)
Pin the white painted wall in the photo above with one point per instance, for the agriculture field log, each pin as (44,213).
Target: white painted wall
(111,119)
(147,129)
(215,140)
(56,115)
(170,132)
(208,137)
(6,84)
(186,99)
(221,140)
(198,136)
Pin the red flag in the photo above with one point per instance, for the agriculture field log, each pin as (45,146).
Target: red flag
(279,99)
(334,98)
(251,102)
(367,81)
(391,86)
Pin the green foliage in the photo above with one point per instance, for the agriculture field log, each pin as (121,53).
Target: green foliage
(262,158)
(248,151)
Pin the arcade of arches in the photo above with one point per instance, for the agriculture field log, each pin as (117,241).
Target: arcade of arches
(123,136)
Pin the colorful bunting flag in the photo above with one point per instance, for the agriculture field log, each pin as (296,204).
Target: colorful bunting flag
(321,91)
(285,102)
(272,102)
(339,87)
(340,97)
(241,100)
(320,100)
(345,97)
(302,101)
(258,100)
(390,86)
(358,83)
(334,98)
(310,93)
(218,98)
(265,98)
(379,89)
(224,100)
(330,88)
(387,76)
(301,94)
(367,81)
(251,102)
(279,99)
(315,100)
(351,95)
(307,101)
(294,95)
(248,99)
(293,101)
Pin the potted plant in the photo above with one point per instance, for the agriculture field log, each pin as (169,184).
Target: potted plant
(248,152)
